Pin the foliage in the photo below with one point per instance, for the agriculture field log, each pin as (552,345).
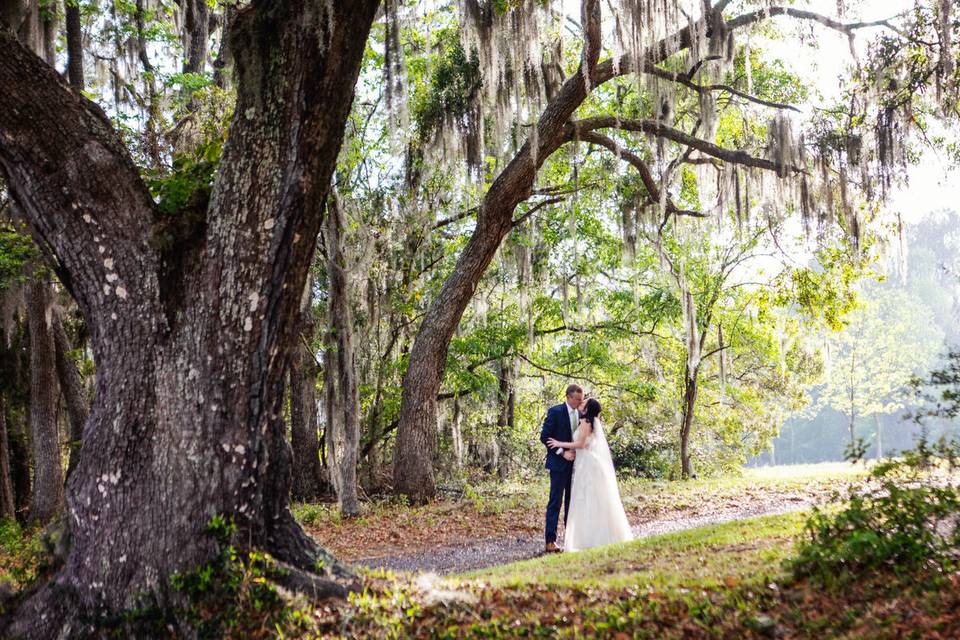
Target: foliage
(17,251)
(451,87)
(21,554)
(636,453)
(188,185)
(905,517)
(889,338)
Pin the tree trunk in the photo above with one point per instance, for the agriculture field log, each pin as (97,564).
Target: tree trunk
(507,396)
(689,406)
(307,472)
(8,505)
(221,75)
(47,499)
(196,23)
(343,405)
(74,44)
(456,433)
(876,418)
(192,323)
(19,443)
(72,387)
(416,436)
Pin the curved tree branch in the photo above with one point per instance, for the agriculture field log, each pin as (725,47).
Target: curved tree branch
(645,174)
(660,130)
(71,176)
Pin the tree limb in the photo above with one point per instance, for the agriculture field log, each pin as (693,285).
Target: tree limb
(646,176)
(660,130)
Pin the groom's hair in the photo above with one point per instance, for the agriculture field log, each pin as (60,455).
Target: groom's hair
(573,388)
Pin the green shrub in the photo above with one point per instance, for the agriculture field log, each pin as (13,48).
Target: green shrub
(20,554)
(903,517)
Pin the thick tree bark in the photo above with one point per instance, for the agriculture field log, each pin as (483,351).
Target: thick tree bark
(191,336)
(72,387)
(307,479)
(47,501)
(416,436)
(342,401)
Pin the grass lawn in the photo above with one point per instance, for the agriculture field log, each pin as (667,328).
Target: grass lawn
(707,557)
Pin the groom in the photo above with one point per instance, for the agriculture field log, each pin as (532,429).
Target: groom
(560,423)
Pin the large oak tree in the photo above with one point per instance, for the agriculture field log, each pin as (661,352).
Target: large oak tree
(192,318)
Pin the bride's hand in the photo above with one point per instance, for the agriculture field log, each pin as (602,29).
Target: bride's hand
(553,443)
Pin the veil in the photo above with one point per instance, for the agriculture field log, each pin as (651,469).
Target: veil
(599,447)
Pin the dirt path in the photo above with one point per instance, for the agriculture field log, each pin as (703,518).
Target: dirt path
(477,554)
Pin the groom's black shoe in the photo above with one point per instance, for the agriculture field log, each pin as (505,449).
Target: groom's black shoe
(552,548)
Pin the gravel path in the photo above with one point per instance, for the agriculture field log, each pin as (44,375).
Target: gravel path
(494,551)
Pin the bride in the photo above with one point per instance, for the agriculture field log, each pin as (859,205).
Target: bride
(596,513)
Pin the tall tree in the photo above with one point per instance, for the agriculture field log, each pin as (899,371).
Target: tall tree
(191,317)
(342,402)
(674,52)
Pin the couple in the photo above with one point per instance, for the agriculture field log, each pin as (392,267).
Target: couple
(581,477)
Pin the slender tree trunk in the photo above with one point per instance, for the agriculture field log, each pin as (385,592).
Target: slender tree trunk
(343,405)
(307,472)
(196,26)
(221,75)
(74,44)
(19,443)
(456,433)
(47,499)
(72,387)
(191,338)
(879,423)
(8,505)
(686,425)
(416,436)
(505,419)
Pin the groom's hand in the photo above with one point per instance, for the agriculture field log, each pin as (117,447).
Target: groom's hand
(569,455)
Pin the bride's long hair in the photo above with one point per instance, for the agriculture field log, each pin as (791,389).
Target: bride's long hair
(592,410)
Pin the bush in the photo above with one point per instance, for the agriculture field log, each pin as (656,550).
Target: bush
(635,455)
(21,553)
(904,516)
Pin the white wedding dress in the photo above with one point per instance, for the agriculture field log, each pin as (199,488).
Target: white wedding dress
(596,513)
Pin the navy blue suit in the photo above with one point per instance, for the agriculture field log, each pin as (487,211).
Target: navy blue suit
(557,426)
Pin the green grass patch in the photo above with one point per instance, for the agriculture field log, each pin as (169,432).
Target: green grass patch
(705,557)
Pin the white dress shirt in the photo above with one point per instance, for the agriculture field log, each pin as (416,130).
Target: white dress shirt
(573,416)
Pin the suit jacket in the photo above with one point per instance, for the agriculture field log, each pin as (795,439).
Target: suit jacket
(557,426)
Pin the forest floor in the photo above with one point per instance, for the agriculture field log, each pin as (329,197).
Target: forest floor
(499,522)
(725,575)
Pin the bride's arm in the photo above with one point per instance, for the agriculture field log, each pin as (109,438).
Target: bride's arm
(579,443)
